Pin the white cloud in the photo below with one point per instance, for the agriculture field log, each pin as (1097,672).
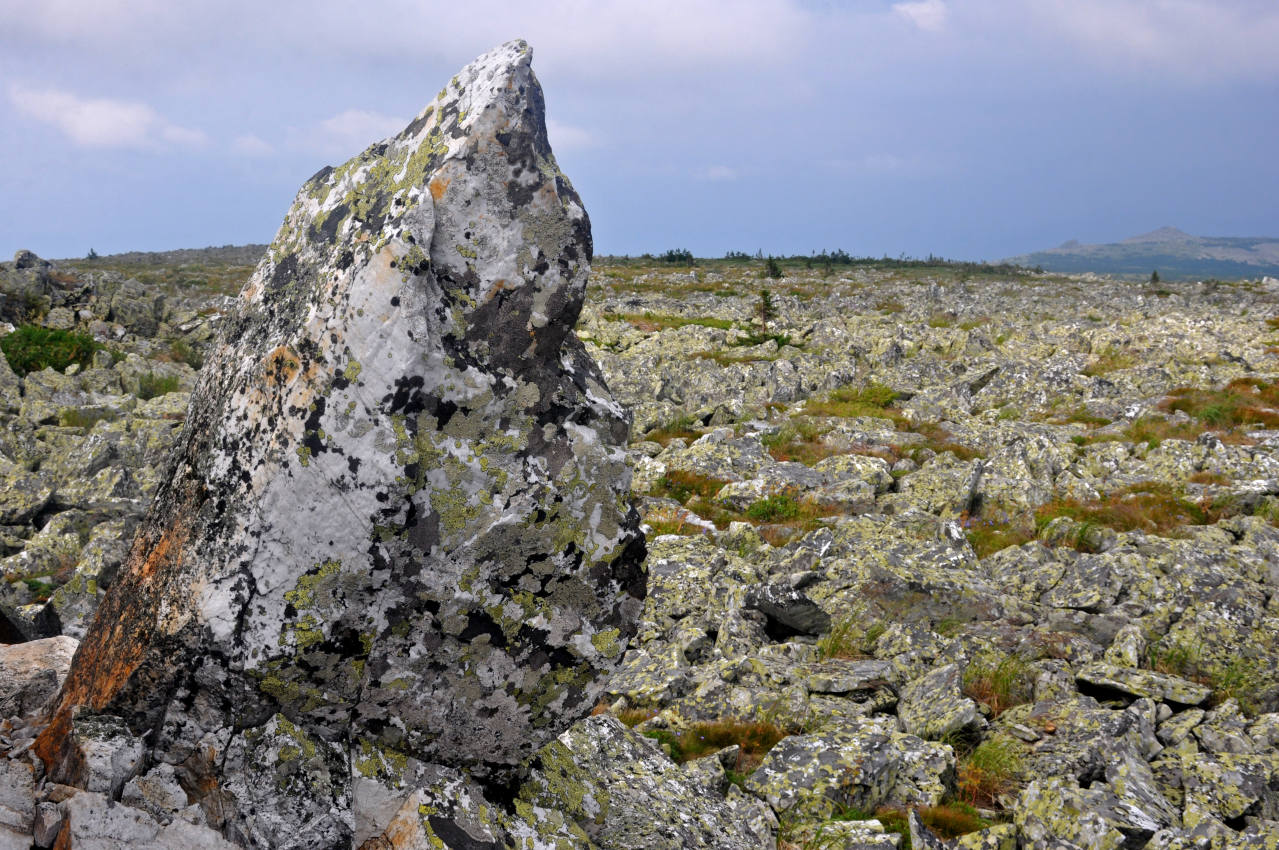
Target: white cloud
(103,122)
(603,38)
(929,15)
(1204,40)
(251,145)
(567,137)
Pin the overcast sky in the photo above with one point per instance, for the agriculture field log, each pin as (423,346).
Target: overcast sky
(965,128)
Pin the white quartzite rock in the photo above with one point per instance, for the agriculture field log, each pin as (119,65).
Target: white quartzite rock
(396,531)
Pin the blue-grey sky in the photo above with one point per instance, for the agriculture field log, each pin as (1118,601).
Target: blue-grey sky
(965,128)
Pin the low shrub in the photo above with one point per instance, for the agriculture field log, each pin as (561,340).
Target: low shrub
(1110,359)
(31,348)
(780,507)
(847,402)
(1146,507)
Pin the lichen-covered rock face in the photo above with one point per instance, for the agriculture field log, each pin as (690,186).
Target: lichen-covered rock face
(397,528)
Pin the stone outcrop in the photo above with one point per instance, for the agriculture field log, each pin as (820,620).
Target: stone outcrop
(395,535)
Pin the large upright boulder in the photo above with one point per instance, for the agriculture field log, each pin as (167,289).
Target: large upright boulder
(396,532)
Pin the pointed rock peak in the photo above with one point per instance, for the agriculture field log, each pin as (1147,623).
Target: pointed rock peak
(396,537)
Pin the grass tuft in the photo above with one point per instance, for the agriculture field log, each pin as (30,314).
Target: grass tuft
(998,683)
(988,772)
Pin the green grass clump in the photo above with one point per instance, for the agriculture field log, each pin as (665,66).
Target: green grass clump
(779,507)
(702,739)
(947,820)
(31,348)
(681,485)
(849,639)
(1146,507)
(989,771)
(799,441)
(989,535)
(847,402)
(75,417)
(181,351)
(152,385)
(999,683)
(1151,508)
(1241,403)
(1110,359)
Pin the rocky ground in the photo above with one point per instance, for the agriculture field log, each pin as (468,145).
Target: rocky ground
(935,555)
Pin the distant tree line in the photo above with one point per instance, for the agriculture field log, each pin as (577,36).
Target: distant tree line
(829,259)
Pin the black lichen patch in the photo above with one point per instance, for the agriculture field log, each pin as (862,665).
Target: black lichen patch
(311,438)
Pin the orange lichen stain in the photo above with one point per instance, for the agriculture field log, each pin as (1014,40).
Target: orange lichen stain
(438,186)
(280,366)
(120,636)
(498,286)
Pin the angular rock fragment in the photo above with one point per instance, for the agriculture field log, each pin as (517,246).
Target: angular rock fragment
(1144,683)
(934,706)
(627,795)
(396,532)
(864,764)
(31,673)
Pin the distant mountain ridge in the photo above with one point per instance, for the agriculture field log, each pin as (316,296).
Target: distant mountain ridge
(1175,254)
(232,254)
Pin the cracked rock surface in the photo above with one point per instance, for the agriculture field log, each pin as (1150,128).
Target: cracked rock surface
(395,532)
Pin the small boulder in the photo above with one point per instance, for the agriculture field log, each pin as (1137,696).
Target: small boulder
(31,673)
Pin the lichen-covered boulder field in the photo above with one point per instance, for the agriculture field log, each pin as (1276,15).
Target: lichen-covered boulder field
(938,555)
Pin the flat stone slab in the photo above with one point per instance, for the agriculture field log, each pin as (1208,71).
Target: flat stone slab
(847,677)
(1144,683)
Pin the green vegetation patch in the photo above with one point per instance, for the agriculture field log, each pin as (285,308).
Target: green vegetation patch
(850,638)
(779,507)
(31,348)
(989,771)
(702,739)
(999,682)
(151,385)
(848,402)
(682,486)
(649,321)
(1241,403)
(1148,507)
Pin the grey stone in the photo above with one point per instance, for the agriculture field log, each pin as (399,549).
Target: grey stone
(93,822)
(397,530)
(32,673)
(789,607)
(1144,683)
(47,824)
(627,795)
(934,707)
(17,795)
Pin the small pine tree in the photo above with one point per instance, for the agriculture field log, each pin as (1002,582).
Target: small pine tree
(766,310)
(1154,276)
(772,269)
(92,255)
